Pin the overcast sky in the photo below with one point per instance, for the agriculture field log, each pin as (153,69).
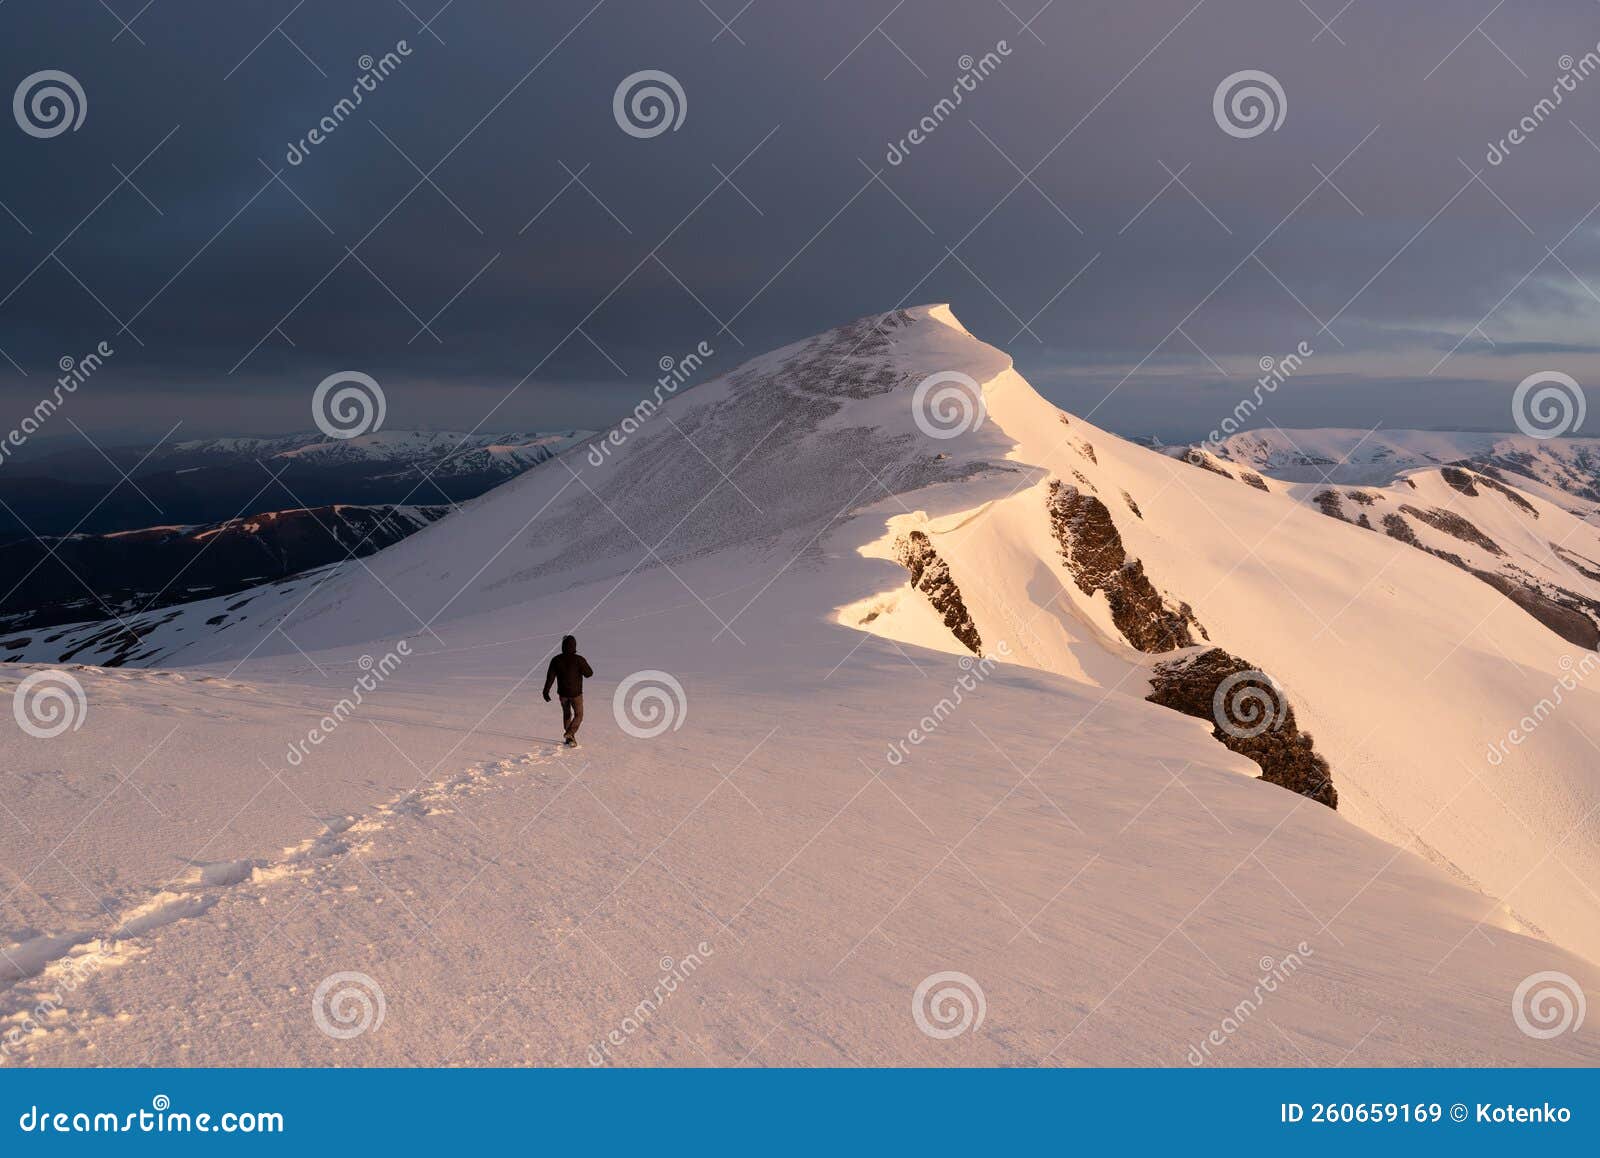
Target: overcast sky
(550,259)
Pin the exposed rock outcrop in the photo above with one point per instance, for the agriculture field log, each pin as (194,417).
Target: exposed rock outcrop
(1453,524)
(1249,714)
(931,575)
(1092,549)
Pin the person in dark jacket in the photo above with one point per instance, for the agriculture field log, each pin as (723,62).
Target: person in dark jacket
(567,672)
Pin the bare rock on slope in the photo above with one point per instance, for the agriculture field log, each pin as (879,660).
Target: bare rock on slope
(1249,714)
(930,575)
(1092,549)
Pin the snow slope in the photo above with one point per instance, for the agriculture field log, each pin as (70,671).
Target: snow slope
(821,826)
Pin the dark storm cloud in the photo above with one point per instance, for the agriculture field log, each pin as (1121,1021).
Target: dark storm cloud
(550,249)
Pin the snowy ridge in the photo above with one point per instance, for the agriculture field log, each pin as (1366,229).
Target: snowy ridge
(1108,871)
(1558,469)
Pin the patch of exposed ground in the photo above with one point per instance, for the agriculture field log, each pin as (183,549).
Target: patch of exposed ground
(1092,549)
(1330,504)
(1582,564)
(1203,461)
(1261,721)
(1253,479)
(930,575)
(1396,527)
(1564,612)
(1510,493)
(1454,525)
(1460,480)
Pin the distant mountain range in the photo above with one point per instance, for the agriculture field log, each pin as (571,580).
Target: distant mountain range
(94,577)
(215,516)
(214,480)
(1558,469)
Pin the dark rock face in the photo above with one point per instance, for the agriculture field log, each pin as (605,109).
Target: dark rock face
(1460,480)
(1454,525)
(1330,504)
(1132,506)
(1092,549)
(1396,527)
(1582,564)
(1249,714)
(931,576)
(1253,479)
(1562,611)
(1516,499)
(1361,497)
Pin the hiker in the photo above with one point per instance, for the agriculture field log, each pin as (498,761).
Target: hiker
(567,671)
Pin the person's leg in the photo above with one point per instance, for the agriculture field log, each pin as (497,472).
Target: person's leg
(577,716)
(566,717)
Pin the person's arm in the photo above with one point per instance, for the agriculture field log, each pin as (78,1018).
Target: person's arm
(588,672)
(549,678)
